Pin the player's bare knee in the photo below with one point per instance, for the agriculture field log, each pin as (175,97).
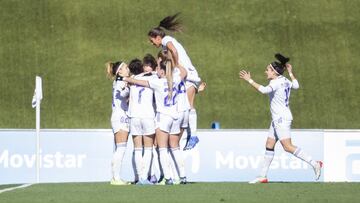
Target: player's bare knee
(288,148)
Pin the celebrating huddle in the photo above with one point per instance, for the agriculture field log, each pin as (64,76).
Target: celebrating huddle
(153,100)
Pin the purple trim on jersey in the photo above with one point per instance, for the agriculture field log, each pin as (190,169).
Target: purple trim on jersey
(272,89)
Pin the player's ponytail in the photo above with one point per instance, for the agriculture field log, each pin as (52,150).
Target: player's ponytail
(167,66)
(113,68)
(169,77)
(280,67)
(170,23)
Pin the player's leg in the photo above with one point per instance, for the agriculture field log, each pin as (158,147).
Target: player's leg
(268,156)
(116,163)
(155,165)
(178,157)
(162,139)
(136,131)
(164,124)
(138,148)
(174,142)
(301,154)
(120,126)
(192,139)
(148,146)
(283,130)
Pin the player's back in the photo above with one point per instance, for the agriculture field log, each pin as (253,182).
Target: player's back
(141,99)
(165,104)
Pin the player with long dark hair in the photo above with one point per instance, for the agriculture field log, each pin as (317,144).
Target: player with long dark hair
(158,38)
(279,92)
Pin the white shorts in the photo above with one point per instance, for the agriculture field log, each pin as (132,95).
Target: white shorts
(184,119)
(189,84)
(119,121)
(142,126)
(167,123)
(280,129)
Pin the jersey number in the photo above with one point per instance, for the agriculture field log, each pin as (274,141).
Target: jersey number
(170,101)
(140,92)
(287,95)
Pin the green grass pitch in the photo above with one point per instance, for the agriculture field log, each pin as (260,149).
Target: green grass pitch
(195,192)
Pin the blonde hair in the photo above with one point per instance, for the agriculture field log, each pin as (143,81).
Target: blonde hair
(113,68)
(169,78)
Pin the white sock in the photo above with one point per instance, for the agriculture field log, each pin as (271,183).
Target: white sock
(299,153)
(158,163)
(193,122)
(268,157)
(173,169)
(179,161)
(146,162)
(136,176)
(138,161)
(164,160)
(154,162)
(117,159)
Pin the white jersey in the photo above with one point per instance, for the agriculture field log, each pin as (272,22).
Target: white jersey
(141,99)
(120,96)
(279,97)
(183,58)
(183,101)
(164,104)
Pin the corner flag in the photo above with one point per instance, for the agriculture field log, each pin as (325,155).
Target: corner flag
(36,103)
(38,92)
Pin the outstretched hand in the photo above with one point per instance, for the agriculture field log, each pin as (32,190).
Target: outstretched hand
(243,74)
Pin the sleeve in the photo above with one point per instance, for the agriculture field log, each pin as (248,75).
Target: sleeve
(154,84)
(265,90)
(165,40)
(272,86)
(295,84)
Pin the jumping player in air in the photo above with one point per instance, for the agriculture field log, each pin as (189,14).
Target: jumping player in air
(158,38)
(279,90)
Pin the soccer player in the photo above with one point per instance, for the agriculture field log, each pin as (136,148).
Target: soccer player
(183,108)
(119,119)
(150,64)
(166,108)
(158,37)
(279,92)
(142,121)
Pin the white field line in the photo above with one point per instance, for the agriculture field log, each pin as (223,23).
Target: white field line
(14,188)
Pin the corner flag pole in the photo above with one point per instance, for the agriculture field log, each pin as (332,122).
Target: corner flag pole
(36,103)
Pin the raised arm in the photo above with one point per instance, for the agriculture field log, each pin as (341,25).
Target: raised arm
(247,77)
(143,83)
(295,83)
(174,52)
